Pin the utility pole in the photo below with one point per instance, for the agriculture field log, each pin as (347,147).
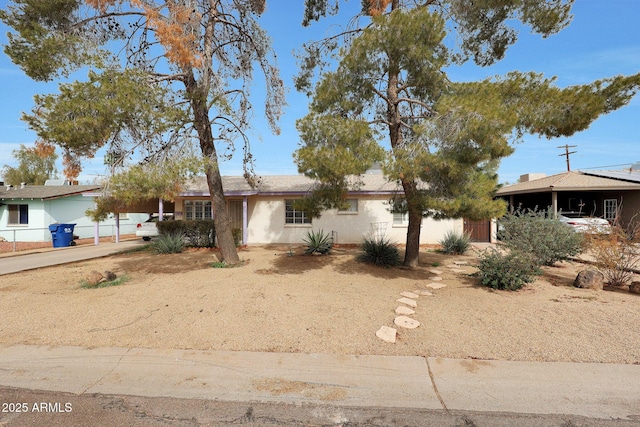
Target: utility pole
(566,153)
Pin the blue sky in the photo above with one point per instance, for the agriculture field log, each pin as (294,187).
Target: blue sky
(602,41)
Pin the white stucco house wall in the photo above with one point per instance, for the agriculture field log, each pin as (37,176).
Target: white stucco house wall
(265,216)
(27,211)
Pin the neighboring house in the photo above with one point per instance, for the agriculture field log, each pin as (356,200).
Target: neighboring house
(27,211)
(265,215)
(604,194)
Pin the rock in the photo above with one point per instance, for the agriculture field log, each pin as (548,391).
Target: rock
(436,285)
(387,334)
(406,322)
(404,310)
(408,301)
(589,279)
(409,294)
(93,278)
(436,278)
(460,262)
(634,287)
(435,271)
(109,276)
(457,270)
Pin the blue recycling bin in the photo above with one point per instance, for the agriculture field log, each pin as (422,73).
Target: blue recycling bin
(62,235)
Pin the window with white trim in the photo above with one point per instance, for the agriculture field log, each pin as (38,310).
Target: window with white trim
(18,214)
(610,209)
(197,209)
(352,206)
(401,218)
(293,216)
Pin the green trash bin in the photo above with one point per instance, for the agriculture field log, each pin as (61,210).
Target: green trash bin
(62,235)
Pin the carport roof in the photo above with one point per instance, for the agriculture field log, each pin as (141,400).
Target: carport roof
(568,181)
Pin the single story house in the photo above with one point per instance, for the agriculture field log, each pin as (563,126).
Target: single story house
(26,211)
(606,194)
(266,215)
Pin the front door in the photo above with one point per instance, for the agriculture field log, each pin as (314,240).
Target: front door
(480,231)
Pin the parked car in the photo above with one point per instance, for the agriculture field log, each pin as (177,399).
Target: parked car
(149,228)
(585,224)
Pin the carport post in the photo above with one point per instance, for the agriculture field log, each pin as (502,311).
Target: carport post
(96,229)
(117,227)
(554,204)
(244,220)
(160,209)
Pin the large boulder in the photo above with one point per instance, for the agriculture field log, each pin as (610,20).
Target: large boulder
(589,279)
(93,278)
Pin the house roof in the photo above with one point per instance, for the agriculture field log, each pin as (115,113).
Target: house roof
(44,192)
(284,184)
(568,181)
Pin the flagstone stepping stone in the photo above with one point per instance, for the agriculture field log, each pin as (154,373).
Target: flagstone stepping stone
(387,334)
(436,285)
(435,271)
(460,262)
(436,279)
(406,322)
(426,293)
(458,270)
(404,310)
(409,294)
(408,301)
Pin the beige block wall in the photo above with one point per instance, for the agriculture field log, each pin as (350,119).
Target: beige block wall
(267,223)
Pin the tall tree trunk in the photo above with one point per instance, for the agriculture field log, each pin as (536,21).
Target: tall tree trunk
(412,249)
(221,218)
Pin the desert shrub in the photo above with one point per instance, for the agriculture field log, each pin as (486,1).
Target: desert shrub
(455,243)
(534,232)
(237,235)
(197,233)
(169,243)
(379,251)
(508,272)
(317,242)
(616,254)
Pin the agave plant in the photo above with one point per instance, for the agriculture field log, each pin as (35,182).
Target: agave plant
(317,242)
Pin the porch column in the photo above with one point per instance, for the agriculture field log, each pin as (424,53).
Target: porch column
(96,229)
(554,204)
(244,220)
(117,227)
(160,209)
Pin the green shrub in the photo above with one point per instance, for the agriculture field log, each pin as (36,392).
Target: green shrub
(115,282)
(169,243)
(507,272)
(379,251)
(317,242)
(455,243)
(533,232)
(197,233)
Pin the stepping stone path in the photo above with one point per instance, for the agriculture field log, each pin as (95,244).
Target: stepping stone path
(435,271)
(406,322)
(436,285)
(425,293)
(409,294)
(387,334)
(404,310)
(460,262)
(458,270)
(408,301)
(436,278)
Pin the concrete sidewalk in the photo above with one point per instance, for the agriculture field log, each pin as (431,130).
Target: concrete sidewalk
(593,390)
(48,257)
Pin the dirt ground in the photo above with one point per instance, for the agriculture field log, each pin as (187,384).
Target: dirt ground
(282,302)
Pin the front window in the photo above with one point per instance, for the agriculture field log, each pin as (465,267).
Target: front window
(18,214)
(610,209)
(293,216)
(197,209)
(352,206)
(400,218)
